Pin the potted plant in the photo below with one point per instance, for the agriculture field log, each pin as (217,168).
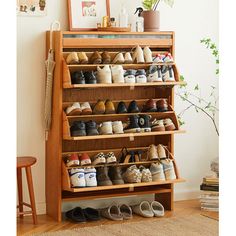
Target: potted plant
(42,4)
(151,15)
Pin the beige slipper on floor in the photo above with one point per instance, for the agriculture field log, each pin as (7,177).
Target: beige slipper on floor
(157,209)
(143,209)
(126,211)
(112,212)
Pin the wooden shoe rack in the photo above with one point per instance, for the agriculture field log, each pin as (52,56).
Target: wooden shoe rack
(60,143)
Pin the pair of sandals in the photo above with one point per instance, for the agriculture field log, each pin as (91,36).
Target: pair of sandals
(117,212)
(82,215)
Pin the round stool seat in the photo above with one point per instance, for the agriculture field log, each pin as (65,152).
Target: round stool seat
(25,161)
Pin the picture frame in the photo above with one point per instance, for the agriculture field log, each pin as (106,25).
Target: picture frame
(31,7)
(85,14)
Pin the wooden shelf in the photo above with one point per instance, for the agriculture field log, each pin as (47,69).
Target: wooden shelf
(126,135)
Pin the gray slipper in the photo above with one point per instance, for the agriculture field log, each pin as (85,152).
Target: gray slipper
(126,211)
(157,209)
(112,213)
(143,209)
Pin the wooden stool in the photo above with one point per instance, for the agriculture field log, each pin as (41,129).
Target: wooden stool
(26,162)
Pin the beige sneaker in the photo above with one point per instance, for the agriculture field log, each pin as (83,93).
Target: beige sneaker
(74,110)
(161,152)
(158,125)
(146,174)
(106,128)
(119,59)
(157,172)
(169,169)
(86,109)
(169,125)
(104,75)
(132,175)
(117,74)
(72,58)
(83,59)
(117,127)
(128,58)
(147,54)
(138,56)
(152,153)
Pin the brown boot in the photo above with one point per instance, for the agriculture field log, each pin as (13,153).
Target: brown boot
(110,109)
(102,176)
(115,175)
(106,58)
(99,107)
(96,58)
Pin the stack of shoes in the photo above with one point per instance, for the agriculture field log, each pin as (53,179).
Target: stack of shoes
(148,210)
(163,125)
(79,215)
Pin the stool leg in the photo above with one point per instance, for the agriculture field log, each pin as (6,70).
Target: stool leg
(20,191)
(31,193)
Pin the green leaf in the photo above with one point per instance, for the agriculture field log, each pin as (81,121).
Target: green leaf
(169,2)
(196,87)
(213,87)
(181,78)
(217,71)
(208,105)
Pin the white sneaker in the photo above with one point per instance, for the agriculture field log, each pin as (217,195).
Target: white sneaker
(130,76)
(86,109)
(117,74)
(90,177)
(111,158)
(168,74)
(106,128)
(158,58)
(168,58)
(99,159)
(147,54)
(119,59)
(169,169)
(138,56)
(77,178)
(128,58)
(141,76)
(75,109)
(104,75)
(117,127)
(154,74)
(157,172)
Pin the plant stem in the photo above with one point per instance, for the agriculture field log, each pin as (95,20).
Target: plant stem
(155,5)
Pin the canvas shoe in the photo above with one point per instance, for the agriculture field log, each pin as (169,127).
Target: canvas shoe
(154,74)
(96,58)
(74,109)
(109,107)
(133,107)
(102,176)
(169,169)
(119,59)
(72,160)
(162,105)
(91,128)
(78,128)
(144,123)
(146,174)
(167,74)
(138,56)
(106,58)
(132,175)
(72,58)
(117,127)
(140,76)
(99,107)
(99,159)
(115,175)
(90,177)
(117,74)
(110,158)
(85,159)
(77,178)
(158,58)
(121,108)
(83,59)
(157,172)
(147,54)
(77,77)
(128,58)
(104,75)
(90,77)
(161,151)
(158,125)
(168,58)
(106,128)
(133,125)
(152,153)
(86,109)
(169,125)
(129,76)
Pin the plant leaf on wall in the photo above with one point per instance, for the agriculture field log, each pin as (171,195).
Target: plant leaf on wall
(169,2)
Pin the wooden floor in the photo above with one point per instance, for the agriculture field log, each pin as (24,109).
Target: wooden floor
(46,224)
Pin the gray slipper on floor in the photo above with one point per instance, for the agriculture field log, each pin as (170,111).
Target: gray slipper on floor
(143,209)
(126,211)
(157,209)
(112,212)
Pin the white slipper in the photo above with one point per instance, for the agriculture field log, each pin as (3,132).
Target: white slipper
(157,209)
(143,209)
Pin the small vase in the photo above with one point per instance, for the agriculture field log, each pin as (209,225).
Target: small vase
(151,21)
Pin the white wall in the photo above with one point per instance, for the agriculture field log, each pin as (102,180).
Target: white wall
(191,20)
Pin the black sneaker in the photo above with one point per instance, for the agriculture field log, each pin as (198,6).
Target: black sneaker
(91,128)
(133,107)
(78,129)
(90,78)
(77,77)
(144,123)
(133,126)
(121,108)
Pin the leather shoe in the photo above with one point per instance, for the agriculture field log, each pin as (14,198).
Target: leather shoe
(162,105)
(96,58)
(150,106)
(77,77)
(133,107)
(121,108)
(106,58)
(90,78)
(110,109)
(99,107)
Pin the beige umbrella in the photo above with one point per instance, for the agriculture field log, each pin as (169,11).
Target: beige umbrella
(50,65)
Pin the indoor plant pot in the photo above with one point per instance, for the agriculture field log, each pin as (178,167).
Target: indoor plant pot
(151,21)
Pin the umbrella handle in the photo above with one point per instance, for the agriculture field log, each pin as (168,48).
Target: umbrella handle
(54,26)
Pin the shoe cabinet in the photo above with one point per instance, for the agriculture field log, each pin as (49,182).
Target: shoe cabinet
(60,143)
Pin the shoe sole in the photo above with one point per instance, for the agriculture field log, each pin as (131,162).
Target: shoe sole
(75,112)
(97,61)
(86,111)
(134,130)
(158,129)
(78,133)
(145,130)
(169,127)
